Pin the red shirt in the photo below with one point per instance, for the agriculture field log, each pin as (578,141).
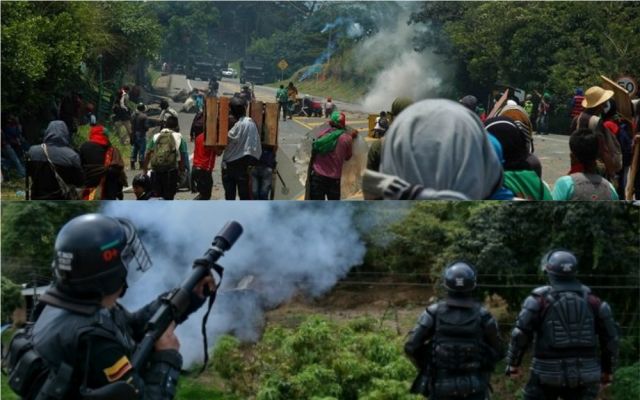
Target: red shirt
(203,157)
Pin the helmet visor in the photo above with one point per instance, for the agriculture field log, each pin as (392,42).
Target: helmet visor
(134,255)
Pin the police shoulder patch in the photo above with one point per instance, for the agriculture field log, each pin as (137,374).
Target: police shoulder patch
(118,369)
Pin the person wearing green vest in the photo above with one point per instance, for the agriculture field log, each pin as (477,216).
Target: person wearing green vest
(282,98)
(518,175)
(331,149)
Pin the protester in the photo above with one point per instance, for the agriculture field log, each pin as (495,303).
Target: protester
(142,187)
(382,124)
(13,134)
(292,94)
(331,149)
(518,175)
(622,130)
(609,152)
(103,167)
(122,120)
(528,105)
(262,175)
(575,107)
(197,126)
(282,98)
(10,159)
(204,158)
(440,145)
(165,155)
(329,107)
(141,125)
(243,150)
(166,113)
(544,108)
(585,185)
(469,101)
(523,122)
(90,117)
(54,167)
(373,158)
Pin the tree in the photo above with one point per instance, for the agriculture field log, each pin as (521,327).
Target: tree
(11,298)
(28,235)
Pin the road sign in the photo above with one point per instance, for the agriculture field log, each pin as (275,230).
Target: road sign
(283,64)
(629,84)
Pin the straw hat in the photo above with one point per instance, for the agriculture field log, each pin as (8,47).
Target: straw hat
(595,95)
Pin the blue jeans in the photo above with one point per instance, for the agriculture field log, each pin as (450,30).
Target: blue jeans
(139,147)
(261,178)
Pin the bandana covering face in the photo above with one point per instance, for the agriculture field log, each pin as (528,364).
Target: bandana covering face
(328,141)
(442,145)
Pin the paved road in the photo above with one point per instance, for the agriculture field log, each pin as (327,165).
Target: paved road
(553,150)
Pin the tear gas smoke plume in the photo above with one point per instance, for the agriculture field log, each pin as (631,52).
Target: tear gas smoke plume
(403,71)
(343,27)
(284,251)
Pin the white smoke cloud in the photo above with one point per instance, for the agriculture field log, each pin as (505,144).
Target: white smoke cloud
(403,71)
(289,249)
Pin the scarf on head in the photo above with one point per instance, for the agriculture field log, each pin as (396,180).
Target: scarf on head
(442,145)
(97,135)
(514,142)
(327,142)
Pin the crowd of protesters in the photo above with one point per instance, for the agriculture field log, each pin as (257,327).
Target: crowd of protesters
(442,149)
(432,148)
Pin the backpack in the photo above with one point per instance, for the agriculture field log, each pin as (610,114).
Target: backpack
(165,155)
(610,151)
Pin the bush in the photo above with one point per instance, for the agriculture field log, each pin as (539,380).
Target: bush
(325,360)
(626,383)
(11,298)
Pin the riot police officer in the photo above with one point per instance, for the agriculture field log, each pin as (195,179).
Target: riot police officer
(455,344)
(566,321)
(81,343)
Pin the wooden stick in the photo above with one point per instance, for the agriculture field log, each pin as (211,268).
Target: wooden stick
(631,178)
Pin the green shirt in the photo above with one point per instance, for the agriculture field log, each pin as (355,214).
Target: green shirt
(526,185)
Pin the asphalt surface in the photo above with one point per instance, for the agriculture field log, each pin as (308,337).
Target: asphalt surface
(552,149)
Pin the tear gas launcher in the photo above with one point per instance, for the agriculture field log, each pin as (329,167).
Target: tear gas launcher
(176,304)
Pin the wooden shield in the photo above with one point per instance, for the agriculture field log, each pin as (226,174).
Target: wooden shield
(499,103)
(620,96)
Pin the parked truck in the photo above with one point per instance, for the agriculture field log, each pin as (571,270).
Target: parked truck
(252,69)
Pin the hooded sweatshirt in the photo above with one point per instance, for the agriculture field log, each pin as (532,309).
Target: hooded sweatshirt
(44,185)
(442,145)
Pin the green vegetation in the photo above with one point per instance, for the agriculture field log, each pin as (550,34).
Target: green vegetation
(626,383)
(507,240)
(11,298)
(53,48)
(554,46)
(28,233)
(320,359)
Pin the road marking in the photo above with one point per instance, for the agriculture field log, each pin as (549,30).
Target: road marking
(189,84)
(302,123)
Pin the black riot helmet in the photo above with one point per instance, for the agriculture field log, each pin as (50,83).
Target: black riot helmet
(459,277)
(560,263)
(96,255)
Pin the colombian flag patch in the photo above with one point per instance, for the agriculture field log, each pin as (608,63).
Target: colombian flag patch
(118,370)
